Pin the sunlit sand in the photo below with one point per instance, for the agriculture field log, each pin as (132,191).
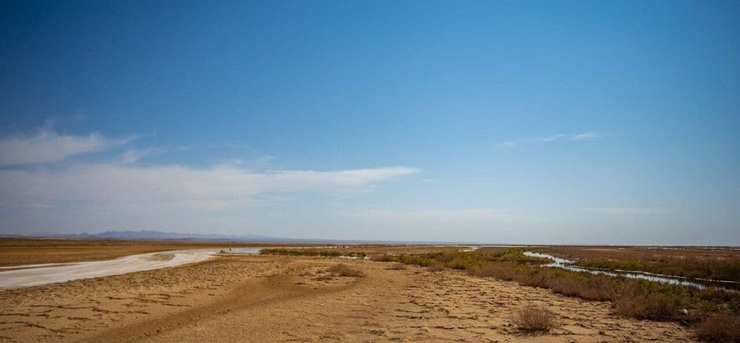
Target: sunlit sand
(258,298)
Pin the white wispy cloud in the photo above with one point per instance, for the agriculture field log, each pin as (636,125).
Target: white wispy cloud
(122,185)
(136,155)
(509,144)
(628,211)
(547,139)
(133,156)
(173,186)
(47,146)
(583,136)
(550,138)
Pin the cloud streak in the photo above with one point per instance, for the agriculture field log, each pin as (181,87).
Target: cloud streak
(547,139)
(628,211)
(46,146)
(118,192)
(584,136)
(173,186)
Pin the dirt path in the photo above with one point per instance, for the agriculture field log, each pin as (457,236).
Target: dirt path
(278,299)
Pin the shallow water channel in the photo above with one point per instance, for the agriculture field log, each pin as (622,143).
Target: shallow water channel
(668,279)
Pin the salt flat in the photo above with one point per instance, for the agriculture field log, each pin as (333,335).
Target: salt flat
(42,274)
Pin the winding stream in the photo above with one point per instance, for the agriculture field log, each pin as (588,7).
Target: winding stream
(668,279)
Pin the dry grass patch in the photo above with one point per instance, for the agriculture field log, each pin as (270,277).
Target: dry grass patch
(647,306)
(639,299)
(691,262)
(534,319)
(345,270)
(719,328)
(397,266)
(436,268)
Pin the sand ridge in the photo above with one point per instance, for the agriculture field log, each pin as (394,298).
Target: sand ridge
(295,299)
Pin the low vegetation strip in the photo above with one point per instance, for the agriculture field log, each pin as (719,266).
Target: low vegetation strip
(695,263)
(314,252)
(713,314)
(640,299)
(689,268)
(464,260)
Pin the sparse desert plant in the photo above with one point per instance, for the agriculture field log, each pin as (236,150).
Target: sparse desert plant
(418,260)
(498,271)
(533,319)
(315,252)
(436,267)
(384,258)
(655,306)
(719,328)
(345,270)
(397,266)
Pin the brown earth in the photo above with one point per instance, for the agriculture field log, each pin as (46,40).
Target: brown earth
(25,251)
(21,251)
(295,299)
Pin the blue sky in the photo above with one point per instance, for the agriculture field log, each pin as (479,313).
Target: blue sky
(506,122)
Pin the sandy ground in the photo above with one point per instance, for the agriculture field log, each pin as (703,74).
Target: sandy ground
(295,299)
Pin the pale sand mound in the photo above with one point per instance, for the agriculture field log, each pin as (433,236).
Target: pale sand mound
(279,299)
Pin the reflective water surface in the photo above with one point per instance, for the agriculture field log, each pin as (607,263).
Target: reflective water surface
(669,279)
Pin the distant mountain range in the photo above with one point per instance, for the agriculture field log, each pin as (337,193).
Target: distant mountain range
(165,236)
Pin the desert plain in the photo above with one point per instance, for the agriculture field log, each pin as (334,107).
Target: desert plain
(269,298)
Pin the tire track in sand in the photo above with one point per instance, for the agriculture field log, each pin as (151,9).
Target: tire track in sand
(259,292)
